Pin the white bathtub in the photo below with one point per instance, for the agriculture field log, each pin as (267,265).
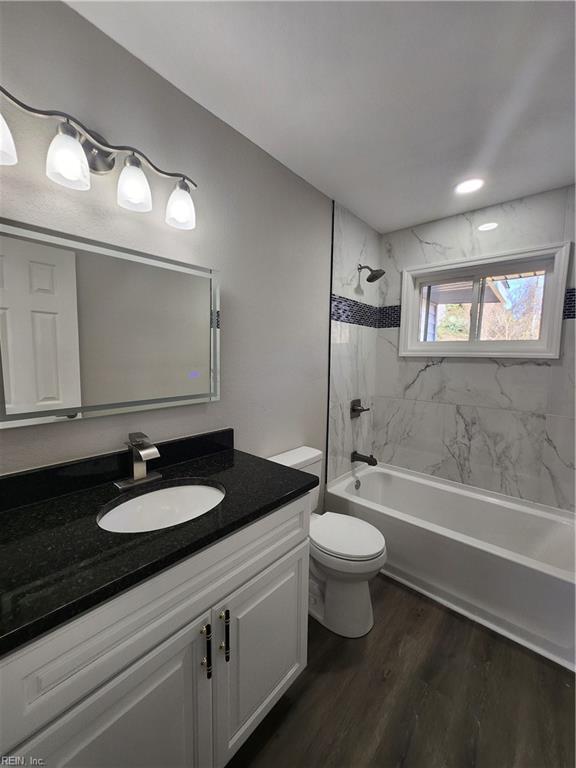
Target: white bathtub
(503,562)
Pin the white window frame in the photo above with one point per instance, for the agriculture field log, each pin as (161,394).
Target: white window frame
(547,346)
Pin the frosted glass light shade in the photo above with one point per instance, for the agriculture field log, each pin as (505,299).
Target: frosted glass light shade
(180,211)
(8,155)
(133,190)
(66,163)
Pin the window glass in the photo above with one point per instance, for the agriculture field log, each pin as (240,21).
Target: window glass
(511,307)
(501,307)
(445,311)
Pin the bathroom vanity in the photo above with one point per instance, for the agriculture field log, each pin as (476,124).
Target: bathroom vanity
(161,648)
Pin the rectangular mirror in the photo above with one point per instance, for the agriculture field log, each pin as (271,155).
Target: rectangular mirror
(88,329)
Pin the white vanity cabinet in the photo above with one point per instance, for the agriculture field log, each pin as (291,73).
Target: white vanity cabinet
(155,713)
(130,684)
(267,649)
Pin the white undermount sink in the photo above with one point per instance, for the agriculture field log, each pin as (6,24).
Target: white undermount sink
(161,508)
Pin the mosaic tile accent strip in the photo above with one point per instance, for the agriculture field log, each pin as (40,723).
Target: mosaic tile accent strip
(355,312)
(389,317)
(570,304)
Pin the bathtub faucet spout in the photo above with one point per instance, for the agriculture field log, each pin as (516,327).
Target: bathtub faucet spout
(370,460)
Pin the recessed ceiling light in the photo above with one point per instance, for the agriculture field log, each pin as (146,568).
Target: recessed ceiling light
(488,226)
(470,185)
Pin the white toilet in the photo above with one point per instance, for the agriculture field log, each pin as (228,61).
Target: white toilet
(345,554)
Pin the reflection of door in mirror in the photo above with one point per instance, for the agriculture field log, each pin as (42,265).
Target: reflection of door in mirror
(38,327)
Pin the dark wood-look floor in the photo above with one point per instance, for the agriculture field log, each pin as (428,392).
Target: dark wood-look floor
(426,688)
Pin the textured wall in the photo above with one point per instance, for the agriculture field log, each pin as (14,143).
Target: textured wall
(265,229)
(505,425)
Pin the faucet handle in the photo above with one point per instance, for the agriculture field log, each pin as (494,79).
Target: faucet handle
(137,438)
(356,408)
(143,446)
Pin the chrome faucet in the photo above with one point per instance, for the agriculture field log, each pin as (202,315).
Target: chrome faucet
(370,460)
(141,450)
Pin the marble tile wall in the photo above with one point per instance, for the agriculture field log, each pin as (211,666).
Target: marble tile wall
(504,425)
(353,346)
(528,222)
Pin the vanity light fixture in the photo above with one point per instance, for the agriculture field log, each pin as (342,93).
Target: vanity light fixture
(8,155)
(76,152)
(133,188)
(66,163)
(180,211)
(489,225)
(470,185)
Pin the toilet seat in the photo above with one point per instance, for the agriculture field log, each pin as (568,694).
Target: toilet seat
(346,538)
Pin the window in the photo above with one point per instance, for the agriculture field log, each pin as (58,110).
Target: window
(508,305)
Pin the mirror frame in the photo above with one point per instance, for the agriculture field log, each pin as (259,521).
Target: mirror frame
(23,231)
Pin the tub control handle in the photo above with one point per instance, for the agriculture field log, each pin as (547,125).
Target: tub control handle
(356,408)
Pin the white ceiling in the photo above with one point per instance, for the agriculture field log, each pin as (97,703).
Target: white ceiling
(383,106)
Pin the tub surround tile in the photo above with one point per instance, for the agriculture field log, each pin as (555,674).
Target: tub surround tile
(524,223)
(487,448)
(501,424)
(354,243)
(498,383)
(518,453)
(557,476)
(389,316)
(390,286)
(408,433)
(569,311)
(500,419)
(355,312)
(570,232)
(561,375)
(352,375)
(57,562)
(494,449)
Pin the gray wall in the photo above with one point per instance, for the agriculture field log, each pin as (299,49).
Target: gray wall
(262,226)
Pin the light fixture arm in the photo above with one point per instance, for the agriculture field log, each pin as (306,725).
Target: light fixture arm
(95,139)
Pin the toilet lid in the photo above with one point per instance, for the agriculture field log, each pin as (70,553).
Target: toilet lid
(346,537)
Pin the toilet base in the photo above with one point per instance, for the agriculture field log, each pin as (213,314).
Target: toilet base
(343,607)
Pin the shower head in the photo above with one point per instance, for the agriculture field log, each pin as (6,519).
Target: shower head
(375,274)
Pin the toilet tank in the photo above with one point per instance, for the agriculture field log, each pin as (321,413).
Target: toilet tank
(308,460)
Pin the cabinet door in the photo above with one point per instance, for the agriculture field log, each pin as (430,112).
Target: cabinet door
(268,619)
(158,712)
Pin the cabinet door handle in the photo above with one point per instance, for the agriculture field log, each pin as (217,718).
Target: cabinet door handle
(207,660)
(225,617)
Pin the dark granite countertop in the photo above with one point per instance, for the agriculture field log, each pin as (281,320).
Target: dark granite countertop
(55,561)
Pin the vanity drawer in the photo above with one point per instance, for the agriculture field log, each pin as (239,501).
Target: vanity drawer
(40,681)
